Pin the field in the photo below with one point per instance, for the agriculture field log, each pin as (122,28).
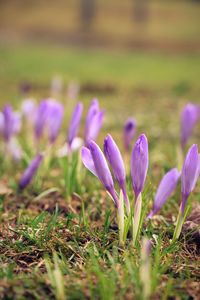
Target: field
(60,237)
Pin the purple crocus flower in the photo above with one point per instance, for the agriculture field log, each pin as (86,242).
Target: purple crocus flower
(41,118)
(28,109)
(1,123)
(94,122)
(93,109)
(14,149)
(30,171)
(94,160)
(55,116)
(165,189)
(114,157)
(189,117)
(48,117)
(10,123)
(17,124)
(74,123)
(129,132)
(190,174)
(139,164)
(73,90)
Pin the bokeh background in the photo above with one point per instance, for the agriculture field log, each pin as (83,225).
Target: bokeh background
(140,58)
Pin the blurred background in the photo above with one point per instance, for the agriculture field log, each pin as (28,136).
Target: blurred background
(135,53)
(129,24)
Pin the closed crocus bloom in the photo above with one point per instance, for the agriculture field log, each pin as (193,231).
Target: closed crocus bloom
(75,123)
(129,132)
(1,123)
(93,109)
(189,117)
(16,122)
(10,123)
(95,126)
(165,189)
(94,122)
(73,90)
(41,118)
(30,171)
(28,109)
(114,157)
(14,149)
(48,118)
(139,164)
(93,158)
(190,174)
(55,116)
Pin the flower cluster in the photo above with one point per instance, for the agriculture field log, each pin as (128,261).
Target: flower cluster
(95,161)
(46,120)
(108,165)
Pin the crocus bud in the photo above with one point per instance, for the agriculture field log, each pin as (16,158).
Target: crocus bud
(189,117)
(94,122)
(129,132)
(30,171)
(114,157)
(96,163)
(190,174)
(75,123)
(139,164)
(165,189)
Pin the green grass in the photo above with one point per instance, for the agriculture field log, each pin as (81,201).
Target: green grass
(155,71)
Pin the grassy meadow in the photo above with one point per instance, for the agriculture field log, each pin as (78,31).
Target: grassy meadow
(59,237)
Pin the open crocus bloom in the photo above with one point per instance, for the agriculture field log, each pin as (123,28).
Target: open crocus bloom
(165,189)
(95,162)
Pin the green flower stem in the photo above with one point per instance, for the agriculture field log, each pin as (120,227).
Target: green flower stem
(136,218)
(121,219)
